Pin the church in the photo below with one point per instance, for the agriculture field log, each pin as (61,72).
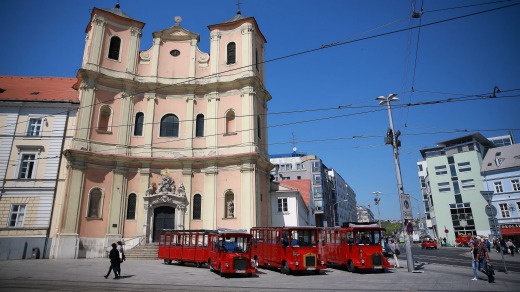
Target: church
(166,137)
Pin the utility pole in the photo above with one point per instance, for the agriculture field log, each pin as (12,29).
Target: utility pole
(392,138)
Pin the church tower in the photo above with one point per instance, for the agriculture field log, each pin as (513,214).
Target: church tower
(168,137)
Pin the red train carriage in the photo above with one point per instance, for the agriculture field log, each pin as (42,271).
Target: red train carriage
(287,248)
(230,252)
(184,246)
(358,246)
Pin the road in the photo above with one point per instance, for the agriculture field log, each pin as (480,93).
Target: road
(459,257)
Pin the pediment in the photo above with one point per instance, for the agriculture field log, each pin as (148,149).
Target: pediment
(176,33)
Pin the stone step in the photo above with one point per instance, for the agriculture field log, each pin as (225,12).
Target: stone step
(147,251)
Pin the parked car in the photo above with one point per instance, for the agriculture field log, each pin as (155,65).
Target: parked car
(429,244)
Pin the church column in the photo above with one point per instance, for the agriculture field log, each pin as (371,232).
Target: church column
(149,119)
(249,118)
(68,240)
(214,52)
(142,212)
(212,133)
(209,203)
(98,31)
(117,208)
(133,49)
(247,195)
(187,175)
(126,118)
(247,47)
(193,58)
(190,122)
(155,57)
(84,124)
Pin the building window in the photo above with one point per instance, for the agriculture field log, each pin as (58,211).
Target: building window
(199,126)
(316,166)
(130,208)
(471,147)
(35,127)
(139,122)
(515,183)
(282,205)
(230,122)
(27,166)
(105,116)
(464,167)
(284,167)
(498,187)
(258,127)
(317,192)
(229,199)
(300,166)
(231,53)
(504,210)
(169,126)
(441,170)
(94,204)
(114,48)
(420,167)
(444,187)
(467,184)
(423,182)
(316,179)
(197,207)
(16,215)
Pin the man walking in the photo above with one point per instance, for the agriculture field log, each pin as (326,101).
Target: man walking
(114,262)
(121,255)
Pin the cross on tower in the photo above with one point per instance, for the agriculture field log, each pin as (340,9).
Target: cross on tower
(238,6)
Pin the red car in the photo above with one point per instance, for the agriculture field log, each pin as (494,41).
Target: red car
(428,244)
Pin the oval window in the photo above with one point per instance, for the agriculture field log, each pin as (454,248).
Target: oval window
(175,53)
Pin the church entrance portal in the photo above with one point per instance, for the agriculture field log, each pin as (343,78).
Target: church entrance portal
(164,218)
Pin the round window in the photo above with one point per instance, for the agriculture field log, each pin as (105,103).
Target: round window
(175,53)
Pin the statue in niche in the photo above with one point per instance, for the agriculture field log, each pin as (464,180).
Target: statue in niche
(182,190)
(230,209)
(167,185)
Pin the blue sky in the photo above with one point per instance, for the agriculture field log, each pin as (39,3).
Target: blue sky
(465,56)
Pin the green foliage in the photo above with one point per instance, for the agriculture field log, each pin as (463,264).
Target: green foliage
(390,227)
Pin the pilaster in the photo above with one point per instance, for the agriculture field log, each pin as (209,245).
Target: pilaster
(187,174)
(212,122)
(149,119)
(117,201)
(247,47)
(209,204)
(140,213)
(155,56)
(190,121)
(215,52)
(87,92)
(125,128)
(98,31)
(133,49)
(248,194)
(249,118)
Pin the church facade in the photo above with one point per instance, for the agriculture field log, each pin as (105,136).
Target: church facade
(167,137)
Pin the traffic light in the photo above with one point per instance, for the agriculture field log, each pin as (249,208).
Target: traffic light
(389,139)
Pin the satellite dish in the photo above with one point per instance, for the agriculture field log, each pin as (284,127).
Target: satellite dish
(294,149)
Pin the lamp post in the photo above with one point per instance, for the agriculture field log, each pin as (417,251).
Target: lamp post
(334,212)
(392,139)
(492,213)
(377,199)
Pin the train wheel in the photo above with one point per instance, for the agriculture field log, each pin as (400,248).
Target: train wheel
(199,265)
(167,262)
(350,267)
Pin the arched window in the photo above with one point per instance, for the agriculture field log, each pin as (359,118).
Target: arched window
(197,206)
(229,199)
(199,126)
(230,122)
(139,121)
(258,127)
(231,53)
(114,48)
(105,116)
(94,203)
(130,208)
(169,126)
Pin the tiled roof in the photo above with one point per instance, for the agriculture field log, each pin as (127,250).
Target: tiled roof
(502,158)
(22,88)
(302,185)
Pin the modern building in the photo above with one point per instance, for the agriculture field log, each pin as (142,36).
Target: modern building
(167,137)
(328,187)
(364,214)
(501,175)
(35,113)
(290,203)
(450,181)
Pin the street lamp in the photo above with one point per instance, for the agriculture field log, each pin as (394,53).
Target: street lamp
(492,213)
(376,201)
(334,211)
(392,139)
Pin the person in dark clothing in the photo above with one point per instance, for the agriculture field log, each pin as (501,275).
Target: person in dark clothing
(114,262)
(121,255)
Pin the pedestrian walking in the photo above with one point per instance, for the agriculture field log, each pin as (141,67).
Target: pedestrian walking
(474,260)
(395,251)
(114,262)
(488,245)
(511,246)
(122,257)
